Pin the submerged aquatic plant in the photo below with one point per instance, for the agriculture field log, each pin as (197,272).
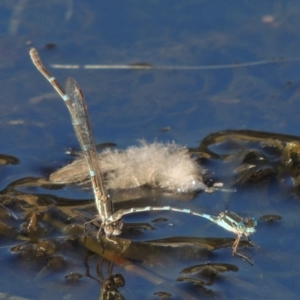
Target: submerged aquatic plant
(166,166)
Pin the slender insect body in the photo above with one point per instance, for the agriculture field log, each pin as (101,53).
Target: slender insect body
(166,166)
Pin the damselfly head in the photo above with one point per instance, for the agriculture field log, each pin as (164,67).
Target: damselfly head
(247,226)
(239,224)
(114,228)
(250,223)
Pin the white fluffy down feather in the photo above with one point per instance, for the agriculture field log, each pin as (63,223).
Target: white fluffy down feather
(166,166)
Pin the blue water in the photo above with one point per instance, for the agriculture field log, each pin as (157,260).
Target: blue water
(127,105)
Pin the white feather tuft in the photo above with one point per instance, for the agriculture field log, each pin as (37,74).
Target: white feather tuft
(166,166)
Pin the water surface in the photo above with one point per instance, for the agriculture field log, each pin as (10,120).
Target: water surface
(127,105)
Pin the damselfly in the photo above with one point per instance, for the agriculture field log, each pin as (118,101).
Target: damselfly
(112,222)
(73,97)
(227,220)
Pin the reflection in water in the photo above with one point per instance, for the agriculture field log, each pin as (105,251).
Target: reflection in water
(110,283)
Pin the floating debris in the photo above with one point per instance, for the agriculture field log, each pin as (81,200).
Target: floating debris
(163,295)
(166,166)
(207,270)
(210,268)
(270,218)
(194,281)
